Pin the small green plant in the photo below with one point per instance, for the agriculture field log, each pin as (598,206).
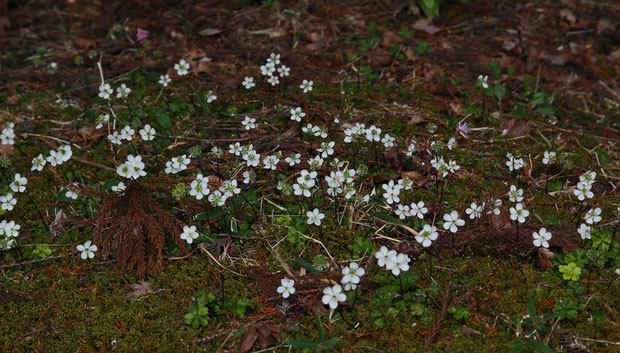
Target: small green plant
(429,7)
(197,316)
(322,343)
(530,328)
(41,251)
(459,312)
(570,272)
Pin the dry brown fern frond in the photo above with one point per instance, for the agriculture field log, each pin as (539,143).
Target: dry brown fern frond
(135,226)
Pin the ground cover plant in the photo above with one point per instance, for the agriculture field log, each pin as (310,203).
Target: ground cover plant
(309,177)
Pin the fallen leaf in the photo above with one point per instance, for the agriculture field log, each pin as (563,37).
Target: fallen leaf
(568,16)
(139,290)
(85,43)
(417,177)
(545,256)
(425,25)
(13,100)
(6,150)
(389,38)
(516,127)
(554,59)
(209,32)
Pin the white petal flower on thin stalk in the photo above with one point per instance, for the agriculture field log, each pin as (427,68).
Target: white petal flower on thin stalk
(286,288)
(541,238)
(333,296)
(452,221)
(87,250)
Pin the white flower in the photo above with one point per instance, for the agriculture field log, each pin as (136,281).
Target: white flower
(326,149)
(273,80)
(248,82)
(119,188)
(402,211)
(474,211)
(229,188)
(541,238)
(388,141)
(391,192)
(451,143)
(514,163)
(217,199)
(293,159)
(102,120)
(383,255)
(72,193)
(418,210)
(410,149)
(306,86)
(189,234)
(351,276)
(267,69)
(248,177)
(123,91)
(593,216)
(127,133)
(397,263)
(147,133)
(8,202)
(549,157)
(38,163)
(518,213)
(249,123)
(19,183)
(585,231)
(87,250)
(315,217)
(333,295)
(515,195)
(427,235)
(105,91)
(115,138)
(164,80)
(9,229)
(52,67)
(297,114)
(182,67)
(482,81)
(452,221)
(582,191)
(271,162)
(287,287)
(210,97)
(273,59)
(588,177)
(199,187)
(373,133)
(284,71)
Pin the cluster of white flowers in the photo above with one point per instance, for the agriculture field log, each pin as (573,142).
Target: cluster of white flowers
(133,168)
(177,164)
(514,163)
(351,276)
(7,136)
(443,168)
(272,69)
(56,158)
(9,231)
(583,189)
(392,260)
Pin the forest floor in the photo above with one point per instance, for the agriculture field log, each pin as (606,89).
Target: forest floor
(552,85)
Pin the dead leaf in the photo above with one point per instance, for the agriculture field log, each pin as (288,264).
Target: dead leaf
(85,43)
(214,182)
(516,127)
(392,159)
(139,290)
(568,16)
(417,177)
(499,221)
(209,32)
(262,333)
(57,225)
(6,150)
(545,256)
(425,25)
(554,59)
(389,38)
(13,100)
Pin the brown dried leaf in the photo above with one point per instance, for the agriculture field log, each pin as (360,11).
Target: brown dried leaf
(417,177)
(516,127)
(6,150)
(13,100)
(425,25)
(85,43)
(139,289)
(545,256)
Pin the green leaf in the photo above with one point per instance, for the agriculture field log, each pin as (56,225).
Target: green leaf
(308,266)
(210,214)
(430,7)
(303,344)
(320,328)
(330,342)
(546,110)
(164,121)
(531,307)
(500,91)
(541,347)
(387,218)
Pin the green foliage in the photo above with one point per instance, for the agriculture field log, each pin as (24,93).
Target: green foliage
(429,7)
(459,312)
(198,314)
(570,272)
(41,251)
(322,343)
(567,309)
